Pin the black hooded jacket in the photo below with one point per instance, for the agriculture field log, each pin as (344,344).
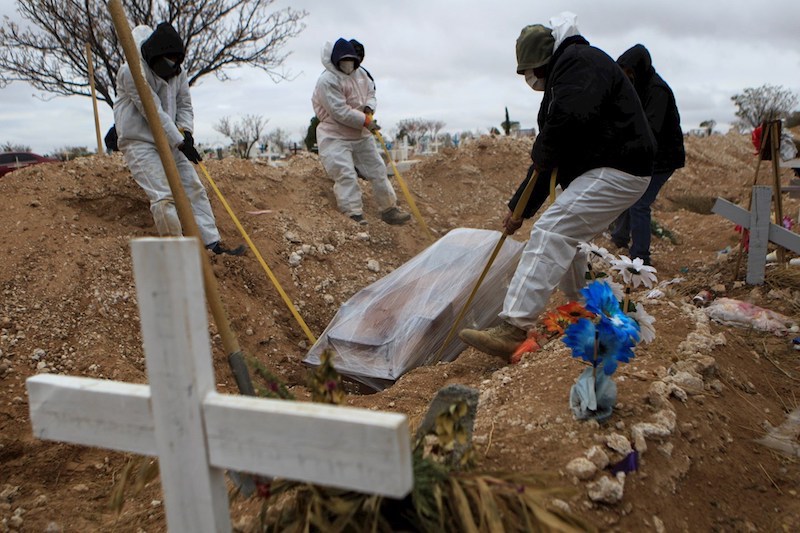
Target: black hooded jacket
(659,105)
(164,41)
(343,49)
(590,117)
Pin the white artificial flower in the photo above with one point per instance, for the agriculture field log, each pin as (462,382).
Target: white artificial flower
(646,321)
(616,289)
(635,272)
(594,252)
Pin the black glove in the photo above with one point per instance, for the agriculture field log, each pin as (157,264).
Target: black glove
(188,149)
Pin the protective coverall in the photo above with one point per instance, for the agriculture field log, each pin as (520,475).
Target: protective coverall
(344,143)
(136,142)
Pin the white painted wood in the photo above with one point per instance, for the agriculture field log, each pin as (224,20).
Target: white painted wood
(777,234)
(336,446)
(94,412)
(759,235)
(195,432)
(169,286)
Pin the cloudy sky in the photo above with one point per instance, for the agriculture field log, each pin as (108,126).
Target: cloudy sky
(454,61)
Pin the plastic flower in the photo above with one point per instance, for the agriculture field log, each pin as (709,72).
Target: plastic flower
(599,344)
(594,252)
(600,300)
(645,321)
(556,321)
(635,272)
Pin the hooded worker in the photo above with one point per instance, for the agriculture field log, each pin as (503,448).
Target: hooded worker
(162,55)
(658,101)
(594,136)
(344,101)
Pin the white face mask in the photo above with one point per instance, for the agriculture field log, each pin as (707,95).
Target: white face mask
(347,66)
(537,84)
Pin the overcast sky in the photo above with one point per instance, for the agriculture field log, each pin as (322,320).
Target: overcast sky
(455,61)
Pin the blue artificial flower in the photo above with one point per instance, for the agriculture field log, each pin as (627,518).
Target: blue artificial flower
(601,301)
(580,337)
(616,336)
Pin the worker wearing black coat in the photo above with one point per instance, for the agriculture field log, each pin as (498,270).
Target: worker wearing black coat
(662,114)
(593,131)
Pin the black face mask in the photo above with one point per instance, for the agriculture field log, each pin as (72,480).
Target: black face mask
(165,69)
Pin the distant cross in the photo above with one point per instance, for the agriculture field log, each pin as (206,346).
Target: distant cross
(761,230)
(198,433)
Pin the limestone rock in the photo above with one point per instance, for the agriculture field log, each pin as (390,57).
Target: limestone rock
(606,489)
(598,456)
(582,468)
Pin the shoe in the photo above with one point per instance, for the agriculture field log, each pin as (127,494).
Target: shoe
(619,245)
(395,216)
(359,218)
(218,249)
(501,341)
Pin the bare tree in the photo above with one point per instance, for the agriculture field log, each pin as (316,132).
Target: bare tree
(49,50)
(244,133)
(435,127)
(11,147)
(278,138)
(708,125)
(413,128)
(762,104)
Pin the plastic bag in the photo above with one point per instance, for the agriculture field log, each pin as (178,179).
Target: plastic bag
(730,312)
(400,322)
(593,396)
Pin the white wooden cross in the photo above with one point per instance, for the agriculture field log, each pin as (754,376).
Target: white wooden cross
(761,230)
(198,433)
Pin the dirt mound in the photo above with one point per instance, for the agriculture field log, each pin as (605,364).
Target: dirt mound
(68,306)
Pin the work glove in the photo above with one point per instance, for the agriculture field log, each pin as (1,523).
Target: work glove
(188,149)
(510,224)
(371,124)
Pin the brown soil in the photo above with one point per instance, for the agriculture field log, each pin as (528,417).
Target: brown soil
(68,306)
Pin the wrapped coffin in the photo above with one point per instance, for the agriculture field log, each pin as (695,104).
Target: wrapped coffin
(400,322)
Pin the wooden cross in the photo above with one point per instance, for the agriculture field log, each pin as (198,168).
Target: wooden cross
(198,433)
(761,230)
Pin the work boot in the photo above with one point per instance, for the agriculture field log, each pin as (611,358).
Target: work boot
(395,216)
(218,249)
(359,219)
(501,341)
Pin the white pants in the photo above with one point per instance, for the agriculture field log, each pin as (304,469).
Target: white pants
(340,158)
(551,258)
(145,166)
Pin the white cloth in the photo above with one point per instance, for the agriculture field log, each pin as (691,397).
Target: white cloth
(564,25)
(341,157)
(339,101)
(145,165)
(551,258)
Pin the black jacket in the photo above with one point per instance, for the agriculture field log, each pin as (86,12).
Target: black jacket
(590,117)
(659,105)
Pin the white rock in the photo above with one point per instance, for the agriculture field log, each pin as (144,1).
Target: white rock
(645,430)
(598,457)
(295,259)
(619,443)
(561,505)
(691,384)
(291,237)
(328,299)
(362,236)
(581,468)
(607,489)
(666,418)
(373,265)
(658,525)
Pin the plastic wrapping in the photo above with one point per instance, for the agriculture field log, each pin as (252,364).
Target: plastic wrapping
(730,312)
(400,322)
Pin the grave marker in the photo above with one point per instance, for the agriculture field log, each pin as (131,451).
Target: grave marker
(198,433)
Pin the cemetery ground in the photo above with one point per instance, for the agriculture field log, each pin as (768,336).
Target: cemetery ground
(68,306)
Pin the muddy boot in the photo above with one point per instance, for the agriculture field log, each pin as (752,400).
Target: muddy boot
(500,341)
(218,249)
(395,216)
(359,219)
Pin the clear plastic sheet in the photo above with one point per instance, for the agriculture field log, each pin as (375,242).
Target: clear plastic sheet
(400,322)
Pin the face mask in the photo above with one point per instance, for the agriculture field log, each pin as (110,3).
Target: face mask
(537,84)
(347,66)
(166,68)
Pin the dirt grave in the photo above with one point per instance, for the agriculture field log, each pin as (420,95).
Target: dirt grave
(68,306)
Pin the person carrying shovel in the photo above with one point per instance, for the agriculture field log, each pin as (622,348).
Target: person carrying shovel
(162,53)
(344,101)
(594,136)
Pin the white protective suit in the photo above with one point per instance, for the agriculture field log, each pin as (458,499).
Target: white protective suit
(344,143)
(174,106)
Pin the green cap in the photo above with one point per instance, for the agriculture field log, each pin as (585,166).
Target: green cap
(534,47)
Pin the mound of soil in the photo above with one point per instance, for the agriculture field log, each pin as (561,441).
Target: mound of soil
(68,306)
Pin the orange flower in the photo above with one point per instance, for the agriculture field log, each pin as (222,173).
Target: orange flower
(529,345)
(557,321)
(575,311)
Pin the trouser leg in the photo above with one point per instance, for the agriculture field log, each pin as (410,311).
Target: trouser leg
(198,199)
(590,203)
(146,168)
(337,159)
(640,216)
(369,162)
